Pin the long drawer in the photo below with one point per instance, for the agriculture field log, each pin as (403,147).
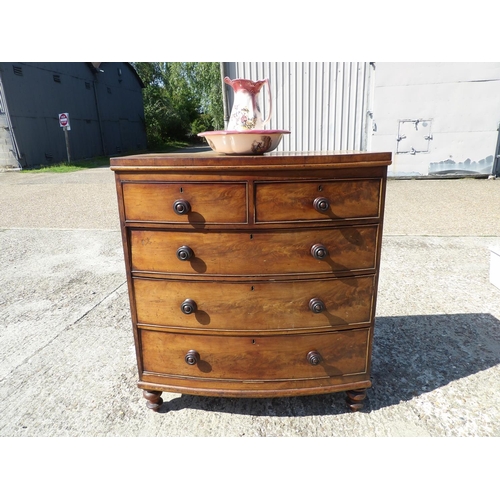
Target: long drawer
(271,305)
(331,200)
(285,357)
(255,253)
(207,203)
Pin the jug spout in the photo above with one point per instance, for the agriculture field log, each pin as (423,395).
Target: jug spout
(243,84)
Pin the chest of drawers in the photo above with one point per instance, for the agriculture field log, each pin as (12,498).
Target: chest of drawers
(252,276)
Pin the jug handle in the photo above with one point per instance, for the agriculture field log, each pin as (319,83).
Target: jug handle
(270,103)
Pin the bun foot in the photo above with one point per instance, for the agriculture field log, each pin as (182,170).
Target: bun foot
(355,399)
(154,400)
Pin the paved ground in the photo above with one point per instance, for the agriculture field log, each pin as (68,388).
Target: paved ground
(67,362)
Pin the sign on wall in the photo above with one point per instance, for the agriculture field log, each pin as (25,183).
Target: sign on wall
(64,120)
(64,123)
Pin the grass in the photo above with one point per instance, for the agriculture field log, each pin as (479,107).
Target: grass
(100,161)
(74,166)
(168,147)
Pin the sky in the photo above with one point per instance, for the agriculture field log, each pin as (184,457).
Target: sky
(361,30)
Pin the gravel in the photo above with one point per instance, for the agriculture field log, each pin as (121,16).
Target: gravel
(67,359)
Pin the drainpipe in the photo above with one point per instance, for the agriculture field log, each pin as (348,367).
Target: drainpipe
(366,142)
(496,161)
(99,119)
(224,94)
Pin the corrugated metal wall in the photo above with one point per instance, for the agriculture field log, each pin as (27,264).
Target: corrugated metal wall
(325,105)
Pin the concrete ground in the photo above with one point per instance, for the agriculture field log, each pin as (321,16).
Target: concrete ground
(67,361)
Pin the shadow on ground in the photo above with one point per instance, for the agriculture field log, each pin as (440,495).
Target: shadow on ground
(412,355)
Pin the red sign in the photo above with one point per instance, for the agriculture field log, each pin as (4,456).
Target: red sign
(63,119)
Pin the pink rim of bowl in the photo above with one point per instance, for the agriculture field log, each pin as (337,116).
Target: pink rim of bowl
(245,132)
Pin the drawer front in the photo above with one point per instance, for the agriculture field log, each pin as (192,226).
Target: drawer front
(293,201)
(255,253)
(209,203)
(281,357)
(236,306)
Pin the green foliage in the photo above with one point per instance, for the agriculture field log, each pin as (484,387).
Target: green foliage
(205,82)
(202,123)
(180,99)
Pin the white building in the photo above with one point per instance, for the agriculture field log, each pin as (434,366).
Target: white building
(436,118)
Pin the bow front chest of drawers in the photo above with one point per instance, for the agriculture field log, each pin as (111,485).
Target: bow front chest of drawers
(252,276)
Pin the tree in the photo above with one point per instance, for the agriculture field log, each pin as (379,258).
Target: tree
(180,99)
(205,79)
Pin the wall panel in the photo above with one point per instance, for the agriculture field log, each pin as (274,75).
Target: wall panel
(323,104)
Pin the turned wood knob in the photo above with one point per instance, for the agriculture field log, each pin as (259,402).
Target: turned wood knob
(321,204)
(184,253)
(192,357)
(316,306)
(314,358)
(188,306)
(319,252)
(181,207)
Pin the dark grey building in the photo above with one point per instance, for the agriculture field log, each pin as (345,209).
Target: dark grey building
(103,100)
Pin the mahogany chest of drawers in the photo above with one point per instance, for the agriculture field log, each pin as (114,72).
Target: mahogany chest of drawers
(252,276)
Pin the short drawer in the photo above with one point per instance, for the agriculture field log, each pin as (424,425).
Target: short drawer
(262,358)
(255,253)
(237,306)
(329,200)
(185,203)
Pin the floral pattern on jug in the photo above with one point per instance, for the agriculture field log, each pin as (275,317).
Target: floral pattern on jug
(241,118)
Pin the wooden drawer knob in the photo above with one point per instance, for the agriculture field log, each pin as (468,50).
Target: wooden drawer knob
(188,306)
(321,204)
(184,253)
(316,306)
(181,207)
(319,252)
(192,357)
(314,358)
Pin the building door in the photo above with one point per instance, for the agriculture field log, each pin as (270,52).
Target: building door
(9,151)
(414,136)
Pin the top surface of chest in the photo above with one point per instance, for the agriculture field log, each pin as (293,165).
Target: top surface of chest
(206,161)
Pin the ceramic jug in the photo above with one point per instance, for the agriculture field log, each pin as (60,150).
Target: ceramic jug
(245,113)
